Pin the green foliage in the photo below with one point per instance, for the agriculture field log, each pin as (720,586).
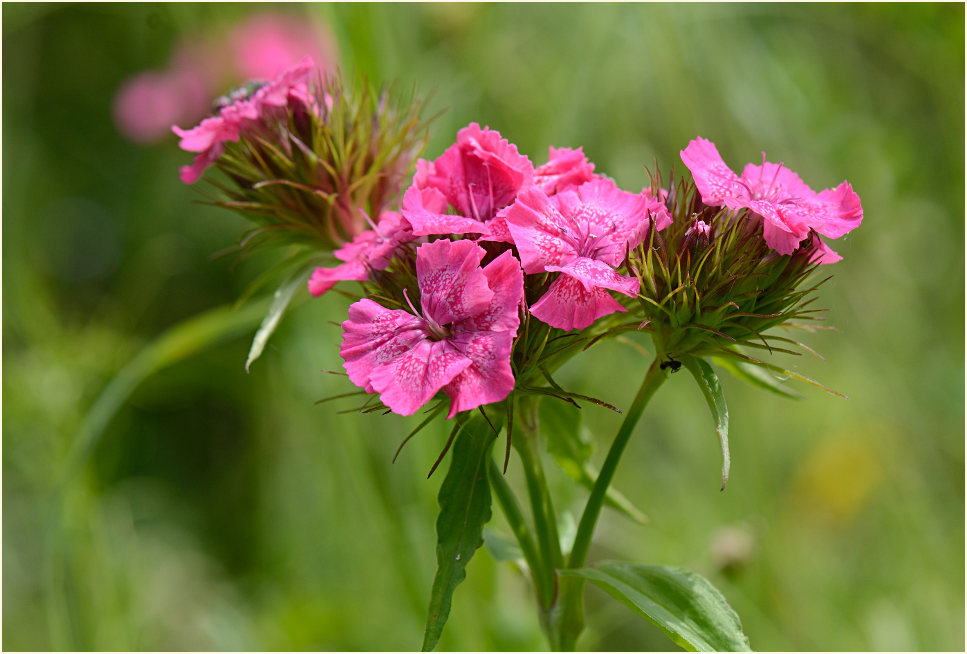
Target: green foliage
(280,302)
(708,383)
(684,605)
(571,447)
(220,510)
(464,510)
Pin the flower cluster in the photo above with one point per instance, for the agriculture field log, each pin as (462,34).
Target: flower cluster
(482,233)
(487,272)
(552,238)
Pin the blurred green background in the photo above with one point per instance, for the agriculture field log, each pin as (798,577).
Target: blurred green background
(220,510)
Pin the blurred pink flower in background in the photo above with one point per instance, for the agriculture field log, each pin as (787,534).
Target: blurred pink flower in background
(266,44)
(147,104)
(200,69)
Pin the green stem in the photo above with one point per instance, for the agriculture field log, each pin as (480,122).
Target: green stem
(515,518)
(568,619)
(545,520)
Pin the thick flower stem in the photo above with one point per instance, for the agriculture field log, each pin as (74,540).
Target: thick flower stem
(568,615)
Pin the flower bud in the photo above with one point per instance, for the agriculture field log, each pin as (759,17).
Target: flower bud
(307,158)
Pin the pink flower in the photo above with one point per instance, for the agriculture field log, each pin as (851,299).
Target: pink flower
(210,136)
(147,104)
(583,233)
(788,207)
(264,45)
(564,168)
(478,175)
(460,344)
(370,250)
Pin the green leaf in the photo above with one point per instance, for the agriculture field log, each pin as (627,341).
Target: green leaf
(708,382)
(782,371)
(464,510)
(179,342)
(683,604)
(570,445)
(561,423)
(280,301)
(503,548)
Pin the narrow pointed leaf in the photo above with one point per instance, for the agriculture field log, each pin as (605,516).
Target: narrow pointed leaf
(708,383)
(683,604)
(783,371)
(755,376)
(464,510)
(280,301)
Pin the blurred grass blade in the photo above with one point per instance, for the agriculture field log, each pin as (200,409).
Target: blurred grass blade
(683,604)
(280,302)
(177,343)
(708,383)
(464,510)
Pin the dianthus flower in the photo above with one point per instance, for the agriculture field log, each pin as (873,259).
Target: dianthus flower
(788,207)
(583,233)
(369,250)
(460,343)
(565,168)
(240,111)
(478,175)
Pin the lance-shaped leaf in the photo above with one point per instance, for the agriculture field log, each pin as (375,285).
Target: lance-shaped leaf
(683,604)
(708,382)
(280,302)
(464,510)
(755,376)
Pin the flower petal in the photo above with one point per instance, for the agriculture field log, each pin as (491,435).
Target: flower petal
(425,209)
(714,180)
(324,279)
(411,378)
(374,335)
(597,274)
(823,253)
(775,182)
(539,231)
(569,305)
(489,378)
(480,173)
(564,168)
(452,285)
(506,280)
(841,213)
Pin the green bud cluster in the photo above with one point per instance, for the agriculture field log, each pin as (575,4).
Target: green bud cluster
(710,283)
(306,174)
